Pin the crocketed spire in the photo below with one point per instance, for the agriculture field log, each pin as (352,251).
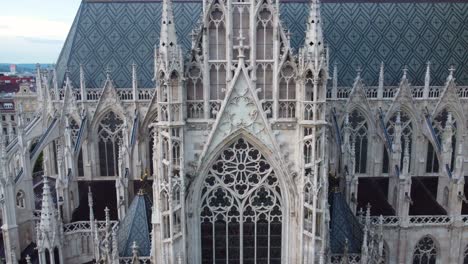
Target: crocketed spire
(314,34)
(48,212)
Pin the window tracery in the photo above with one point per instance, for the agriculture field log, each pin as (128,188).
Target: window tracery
(217,33)
(425,252)
(359,140)
(287,92)
(241,214)
(264,37)
(110,137)
(20,200)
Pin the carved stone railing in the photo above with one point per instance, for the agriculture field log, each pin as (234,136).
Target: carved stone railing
(94,94)
(390,91)
(465,219)
(129,260)
(386,220)
(430,220)
(196,109)
(417,220)
(340,259)
(343,92)
(371,92)
(434,91)
(417,91)
(462,91)
(85,226)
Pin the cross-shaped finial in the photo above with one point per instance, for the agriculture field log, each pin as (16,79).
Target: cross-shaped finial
(405,71)
(451,70)
(108,72)
(241,46)
(359,70)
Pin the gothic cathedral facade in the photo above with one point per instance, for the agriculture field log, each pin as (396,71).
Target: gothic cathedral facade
(243,150)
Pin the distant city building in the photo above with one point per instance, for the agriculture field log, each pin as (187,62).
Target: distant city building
(15,91)
(13,68)
(272,132)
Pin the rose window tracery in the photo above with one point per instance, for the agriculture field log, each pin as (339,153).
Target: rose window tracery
(241,212)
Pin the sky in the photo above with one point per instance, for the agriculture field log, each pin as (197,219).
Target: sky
(33,31)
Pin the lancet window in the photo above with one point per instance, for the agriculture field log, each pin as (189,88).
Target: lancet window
(241,213)
(442,123)
(217,81)
(287,92)
(240,23)
(265,80)
(110,137)
(264,37)
(359,140)
(195,105)
(217,33)
(425,252)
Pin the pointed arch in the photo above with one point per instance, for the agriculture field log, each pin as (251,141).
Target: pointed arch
(198,191)
(425,251)
(110,135)
(241,202)
(264,33)
(359,138)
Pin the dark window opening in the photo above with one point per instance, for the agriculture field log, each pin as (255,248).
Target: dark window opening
(424,197)
(374,191)
(104,195)
(432,162)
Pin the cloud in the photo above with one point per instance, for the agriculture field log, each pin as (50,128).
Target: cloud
(32,27)
(41,40)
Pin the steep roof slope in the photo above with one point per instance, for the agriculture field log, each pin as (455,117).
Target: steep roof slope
(364,33)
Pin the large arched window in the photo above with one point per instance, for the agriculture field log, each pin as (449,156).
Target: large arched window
(110,136)
(359,134)
(425,252)
(241,212)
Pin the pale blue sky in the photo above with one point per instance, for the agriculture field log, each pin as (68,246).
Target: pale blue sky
(33,31)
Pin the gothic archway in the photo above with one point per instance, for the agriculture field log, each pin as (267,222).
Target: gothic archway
(241,212)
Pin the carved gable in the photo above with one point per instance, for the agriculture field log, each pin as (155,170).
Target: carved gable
(241,110)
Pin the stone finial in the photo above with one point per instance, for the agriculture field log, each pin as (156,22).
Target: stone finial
(135,249)
(405,72)
(451,71)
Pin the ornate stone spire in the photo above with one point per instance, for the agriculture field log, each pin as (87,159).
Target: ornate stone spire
(314,34)
(168,37)
(48,220)
(314,47)
(427,80)
(82,84)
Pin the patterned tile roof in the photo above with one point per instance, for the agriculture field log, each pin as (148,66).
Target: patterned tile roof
(343,225)
(136,226)
(118,33)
